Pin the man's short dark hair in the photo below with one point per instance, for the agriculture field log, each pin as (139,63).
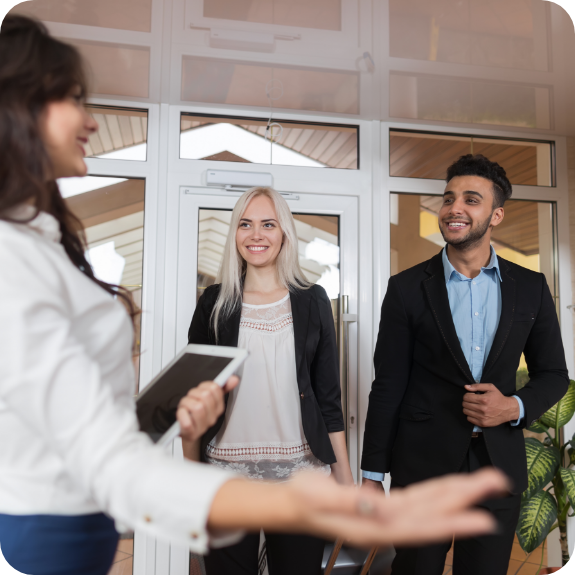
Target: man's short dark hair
(478,165)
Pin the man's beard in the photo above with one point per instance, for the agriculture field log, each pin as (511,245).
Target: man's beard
(473,238)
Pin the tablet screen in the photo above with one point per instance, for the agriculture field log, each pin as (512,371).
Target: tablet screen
(156,408)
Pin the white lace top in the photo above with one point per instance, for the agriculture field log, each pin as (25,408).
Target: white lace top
(262,435)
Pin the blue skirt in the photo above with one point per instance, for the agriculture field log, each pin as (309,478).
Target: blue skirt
(58,544)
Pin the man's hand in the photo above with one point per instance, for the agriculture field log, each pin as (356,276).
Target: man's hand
(201,407)
(491,407)
(371,485)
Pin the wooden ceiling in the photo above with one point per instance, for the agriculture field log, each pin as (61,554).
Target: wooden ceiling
(333,146)
(118,129)
(519,229)
(412,156)
(116,213)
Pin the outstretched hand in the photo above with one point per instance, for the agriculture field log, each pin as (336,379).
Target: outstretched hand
(427,512)
(490,407)
(201,407)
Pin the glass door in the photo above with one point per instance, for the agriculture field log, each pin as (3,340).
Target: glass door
(327,229)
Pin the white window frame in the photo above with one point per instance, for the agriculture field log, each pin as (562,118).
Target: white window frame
(151,321)
(196,30)
(123,38)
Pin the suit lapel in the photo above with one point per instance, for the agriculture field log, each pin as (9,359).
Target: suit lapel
(436,291)
(508,286)
(300,309)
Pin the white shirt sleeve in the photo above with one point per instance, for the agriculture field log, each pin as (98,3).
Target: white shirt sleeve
(51,385)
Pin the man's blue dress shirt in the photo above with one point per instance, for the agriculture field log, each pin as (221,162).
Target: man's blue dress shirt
(476,308)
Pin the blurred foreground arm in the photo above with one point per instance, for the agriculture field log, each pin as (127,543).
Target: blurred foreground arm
(311,503)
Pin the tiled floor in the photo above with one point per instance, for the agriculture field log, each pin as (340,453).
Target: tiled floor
(517,564)
(124,558)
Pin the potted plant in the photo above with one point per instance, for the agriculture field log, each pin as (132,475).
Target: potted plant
(550,495)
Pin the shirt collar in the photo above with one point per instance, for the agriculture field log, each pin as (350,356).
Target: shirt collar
(44,224)
(449,270)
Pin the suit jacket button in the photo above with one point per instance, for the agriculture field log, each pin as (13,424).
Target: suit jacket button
(301,396)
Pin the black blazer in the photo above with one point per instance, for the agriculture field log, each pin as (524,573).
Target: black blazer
(415,427)
(316,362)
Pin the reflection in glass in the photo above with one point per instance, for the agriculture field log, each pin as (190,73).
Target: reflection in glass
(133,15)
(466,101)
(502,34)
(244,84)
(319,14)
(122,133)
(116,70)
(428,155)
(113,217)
(245,140)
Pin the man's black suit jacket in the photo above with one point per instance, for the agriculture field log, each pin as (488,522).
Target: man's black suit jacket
(316,362)
(415,427)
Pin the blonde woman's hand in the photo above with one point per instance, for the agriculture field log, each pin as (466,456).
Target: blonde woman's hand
(201,407)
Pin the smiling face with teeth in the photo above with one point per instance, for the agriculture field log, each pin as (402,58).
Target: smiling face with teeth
(259,236)
(467,216)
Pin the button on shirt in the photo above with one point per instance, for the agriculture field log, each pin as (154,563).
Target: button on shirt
(475,305)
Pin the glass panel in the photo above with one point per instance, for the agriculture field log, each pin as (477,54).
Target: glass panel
(116,70)
(318,238)
(133,15)
(319,14)
(503,34)
(525,237)
(428,155)
(112,211)
(122,134)
(466,101)
(219,82)
(318,246)
(245,140)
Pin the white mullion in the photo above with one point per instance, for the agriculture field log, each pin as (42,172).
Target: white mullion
(100,35)
(565,290)
(469,72)
(475,130)
(335,62)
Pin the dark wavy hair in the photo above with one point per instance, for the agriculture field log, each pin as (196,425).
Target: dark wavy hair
(35,70)
(478,165)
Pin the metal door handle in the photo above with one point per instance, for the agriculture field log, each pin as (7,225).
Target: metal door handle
(346,319)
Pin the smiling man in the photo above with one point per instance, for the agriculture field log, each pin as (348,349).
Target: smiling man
(451,336)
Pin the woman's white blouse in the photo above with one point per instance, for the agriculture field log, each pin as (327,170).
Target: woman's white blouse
(70,441)
(262,435)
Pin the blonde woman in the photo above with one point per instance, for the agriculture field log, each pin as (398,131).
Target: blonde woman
(287,415)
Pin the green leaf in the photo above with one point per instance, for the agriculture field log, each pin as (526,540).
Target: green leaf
(572,442)
(562,411)
(535,520)
(568,478)
(542,463)
(571,453)
(538,427)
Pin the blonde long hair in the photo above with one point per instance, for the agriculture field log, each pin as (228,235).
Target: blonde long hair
(233,266)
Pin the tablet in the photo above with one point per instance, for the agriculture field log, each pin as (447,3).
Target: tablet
(156,406)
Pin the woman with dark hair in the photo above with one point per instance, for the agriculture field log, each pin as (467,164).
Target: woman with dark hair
(71,448)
